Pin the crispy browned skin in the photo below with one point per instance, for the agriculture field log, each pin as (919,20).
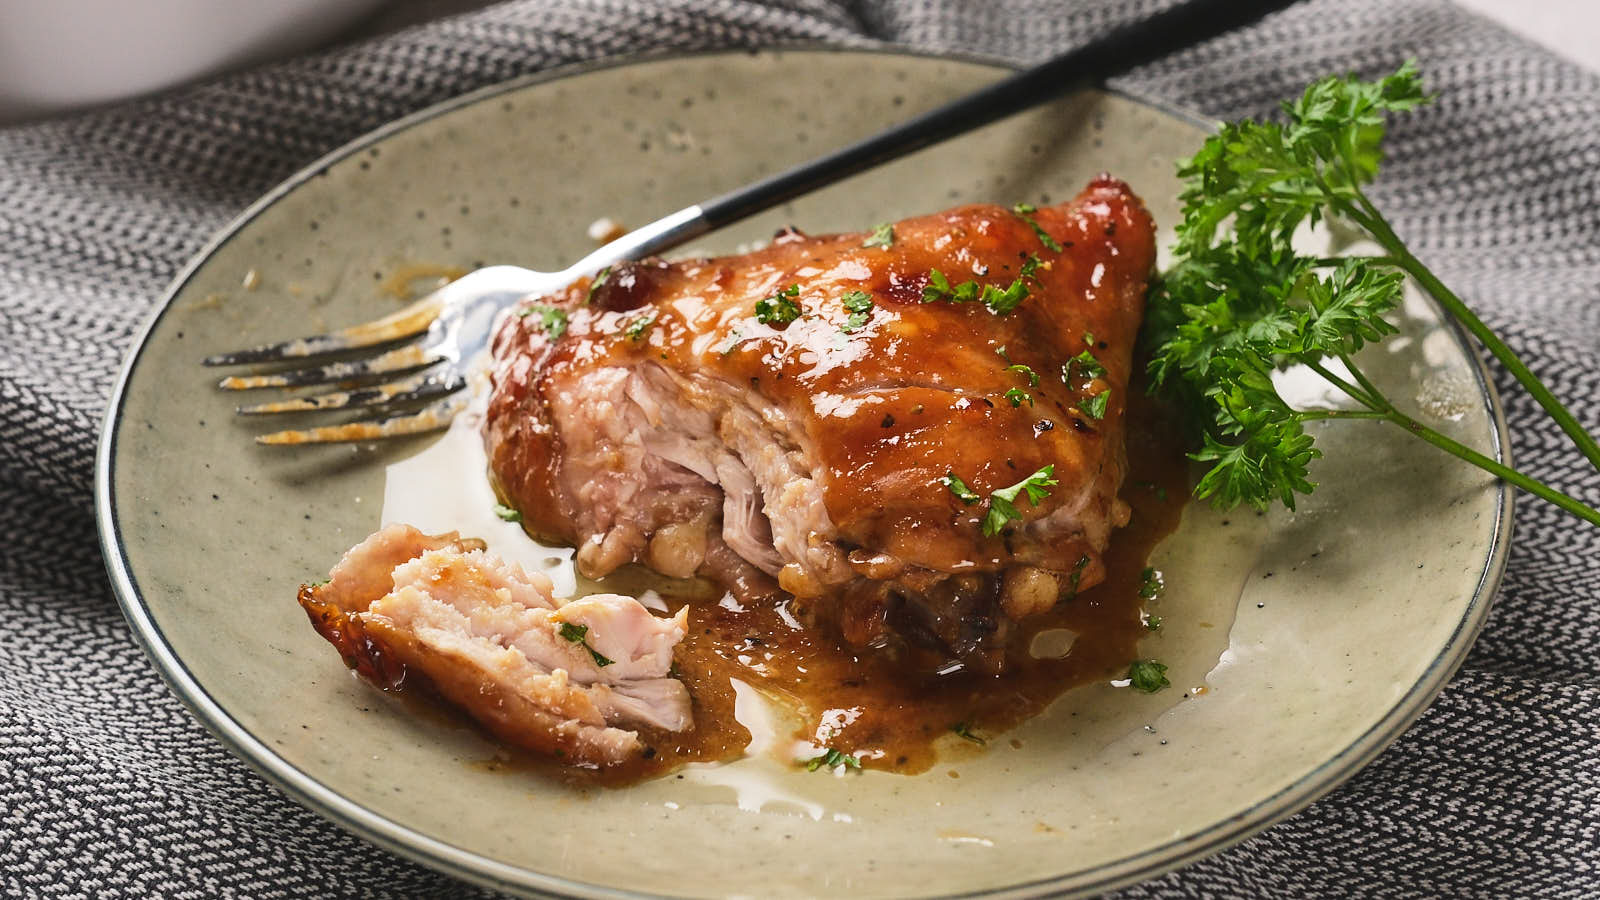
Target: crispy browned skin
(869,422)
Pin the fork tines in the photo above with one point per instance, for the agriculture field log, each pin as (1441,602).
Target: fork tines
(430,418)
(403,323)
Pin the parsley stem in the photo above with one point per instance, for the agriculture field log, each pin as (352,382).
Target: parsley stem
(1537,488)
(1333,262)
(1361,379)
(1374,222)
(1383,409)
(1309,415)
(1371,401)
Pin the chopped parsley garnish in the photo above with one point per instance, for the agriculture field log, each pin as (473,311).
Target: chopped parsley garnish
(1002,302)
(1017,396)
(859,303)
(882,236)
(552,319)
(639,326)
(959,488)
(1077,574)
(1025,212)
(963,731)
(1002,503)
(577,634)
(832,759)
(599,279)
(779,309)
(939,288)
(1095,407)
(1087,366)
(1151,622)
(1025,371)
(1147,676)
(507,513)
(318,583)
(1150,583)
(999,300)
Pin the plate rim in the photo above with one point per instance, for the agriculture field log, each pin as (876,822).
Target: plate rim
(443,856)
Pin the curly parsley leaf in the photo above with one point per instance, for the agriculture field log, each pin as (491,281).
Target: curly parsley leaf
(881,236)
(1151,583)
(831,759)
(1002,503)
(859,304)
(939,289)
(553,319)
(1147,676)
(1095,407)
(781,308)
(1025,212)
(578,634)
(964,731)
(1000,301)
(637,328)
(1241,302)
(1087,367)
(959,488)
(599,279)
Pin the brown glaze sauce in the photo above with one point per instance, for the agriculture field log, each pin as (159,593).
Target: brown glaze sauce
(864,703)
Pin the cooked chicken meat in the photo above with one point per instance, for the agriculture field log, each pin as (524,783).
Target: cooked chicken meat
(564,678)
(918,434)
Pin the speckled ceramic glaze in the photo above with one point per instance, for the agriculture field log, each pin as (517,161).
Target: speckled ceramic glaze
(1299,645)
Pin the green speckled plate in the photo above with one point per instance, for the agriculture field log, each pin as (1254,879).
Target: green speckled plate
(1299,645)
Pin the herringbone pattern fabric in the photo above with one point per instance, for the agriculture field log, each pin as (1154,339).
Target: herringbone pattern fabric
(109,789)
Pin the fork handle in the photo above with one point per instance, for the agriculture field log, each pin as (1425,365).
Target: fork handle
(1114,53)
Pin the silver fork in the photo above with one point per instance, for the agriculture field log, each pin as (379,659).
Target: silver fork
(454,323)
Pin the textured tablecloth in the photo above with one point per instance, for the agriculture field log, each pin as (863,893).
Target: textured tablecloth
(109,788)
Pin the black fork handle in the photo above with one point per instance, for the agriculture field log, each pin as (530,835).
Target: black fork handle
(1124,48)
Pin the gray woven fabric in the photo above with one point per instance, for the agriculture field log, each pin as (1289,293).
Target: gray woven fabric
(108,788)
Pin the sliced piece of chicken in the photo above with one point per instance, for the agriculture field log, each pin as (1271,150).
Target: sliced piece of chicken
(560,678)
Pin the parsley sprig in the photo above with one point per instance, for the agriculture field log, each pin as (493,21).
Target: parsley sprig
(1240,302)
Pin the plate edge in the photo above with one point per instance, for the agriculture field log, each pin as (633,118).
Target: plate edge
(473,867)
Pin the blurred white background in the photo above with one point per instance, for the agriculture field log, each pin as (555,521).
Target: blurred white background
(58,55)
(1569,27)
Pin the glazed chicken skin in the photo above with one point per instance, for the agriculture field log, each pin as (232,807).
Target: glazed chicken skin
(676,415)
